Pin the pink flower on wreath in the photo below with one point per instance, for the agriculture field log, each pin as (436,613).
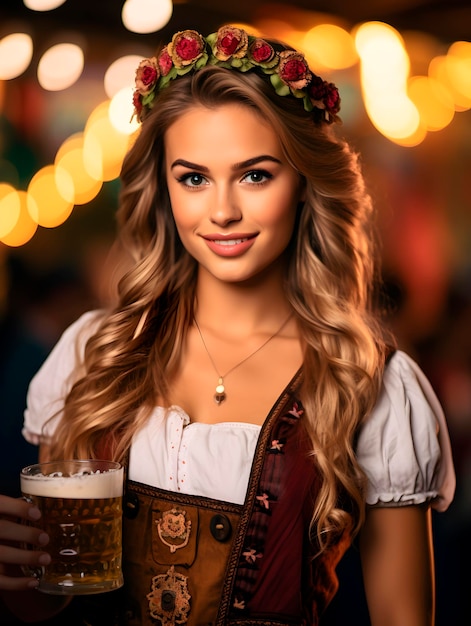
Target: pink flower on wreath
(261,51)
(147,74)
(186,48)
(165,62)
(230,42)
(324,95)
(293,69)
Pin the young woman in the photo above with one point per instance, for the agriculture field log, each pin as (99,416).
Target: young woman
(241,375)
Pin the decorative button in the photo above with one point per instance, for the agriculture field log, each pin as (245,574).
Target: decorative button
(168,600)
(220,527)
(169,594)
(130,505)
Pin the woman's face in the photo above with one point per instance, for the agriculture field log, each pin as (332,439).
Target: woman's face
(234,196)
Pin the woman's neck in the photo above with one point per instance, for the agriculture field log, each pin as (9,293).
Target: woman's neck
(240,307)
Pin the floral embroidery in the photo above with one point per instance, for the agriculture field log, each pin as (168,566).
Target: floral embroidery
(272,485)
(276,445)
(239,604)
(173,526)
(296,411)
(251,555)
(169,600)
(264,500)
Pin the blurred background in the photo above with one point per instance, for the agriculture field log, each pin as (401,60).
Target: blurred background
(403,68)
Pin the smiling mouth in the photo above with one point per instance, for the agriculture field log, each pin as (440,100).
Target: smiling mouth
(229,242)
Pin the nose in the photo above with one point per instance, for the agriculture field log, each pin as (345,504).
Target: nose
(225,207)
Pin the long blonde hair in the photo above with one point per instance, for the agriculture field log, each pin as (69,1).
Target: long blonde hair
(136,349)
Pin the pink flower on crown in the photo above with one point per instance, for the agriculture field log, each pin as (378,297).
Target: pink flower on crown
(147,74)
(186,48)
(230,42)
(324,95)
(261,51)
(293,69)
(165,62)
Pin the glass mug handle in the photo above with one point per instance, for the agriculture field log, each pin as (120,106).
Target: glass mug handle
(36,571)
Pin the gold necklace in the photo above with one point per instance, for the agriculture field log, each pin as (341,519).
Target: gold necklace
(220,391)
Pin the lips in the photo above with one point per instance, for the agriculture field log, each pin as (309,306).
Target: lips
(231,245)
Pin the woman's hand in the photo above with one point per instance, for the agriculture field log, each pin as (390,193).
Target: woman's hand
(15,531)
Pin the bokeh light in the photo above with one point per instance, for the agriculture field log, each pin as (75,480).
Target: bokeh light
(121,73)
(121,112)
(60,66)
(73,181)
(146,16)
(441,68)
(43,5)
(459,67)
(9,210)
(25,226)
(16,52)
(384,74)
(104,146)
(330,46)
(45,203)
(433,101)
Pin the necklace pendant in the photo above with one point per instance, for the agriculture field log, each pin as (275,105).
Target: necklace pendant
(220,394)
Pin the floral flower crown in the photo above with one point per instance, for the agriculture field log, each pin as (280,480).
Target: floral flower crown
(233,48)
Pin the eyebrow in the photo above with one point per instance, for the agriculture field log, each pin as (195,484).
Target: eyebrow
(237,166)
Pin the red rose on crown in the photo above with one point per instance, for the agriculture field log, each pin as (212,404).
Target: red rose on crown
(261,51)
(230,42)
(324,94)
(165,62)
(147,74)
(186,48)
(293,69)
(137,102)
(332,100)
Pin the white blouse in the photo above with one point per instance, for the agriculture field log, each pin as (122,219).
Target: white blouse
(403,446)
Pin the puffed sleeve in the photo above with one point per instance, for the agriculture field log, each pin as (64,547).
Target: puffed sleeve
(403,446)
(48,388)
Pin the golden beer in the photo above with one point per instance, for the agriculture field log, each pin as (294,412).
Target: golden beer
(81,507)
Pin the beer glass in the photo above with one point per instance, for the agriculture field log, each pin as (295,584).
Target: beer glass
(81,507)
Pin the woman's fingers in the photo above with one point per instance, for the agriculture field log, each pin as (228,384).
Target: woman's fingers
(20,583)
(11,531)
(20,544)
(18,508)
(11,555)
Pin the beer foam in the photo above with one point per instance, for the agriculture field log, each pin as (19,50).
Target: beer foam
(95,485)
